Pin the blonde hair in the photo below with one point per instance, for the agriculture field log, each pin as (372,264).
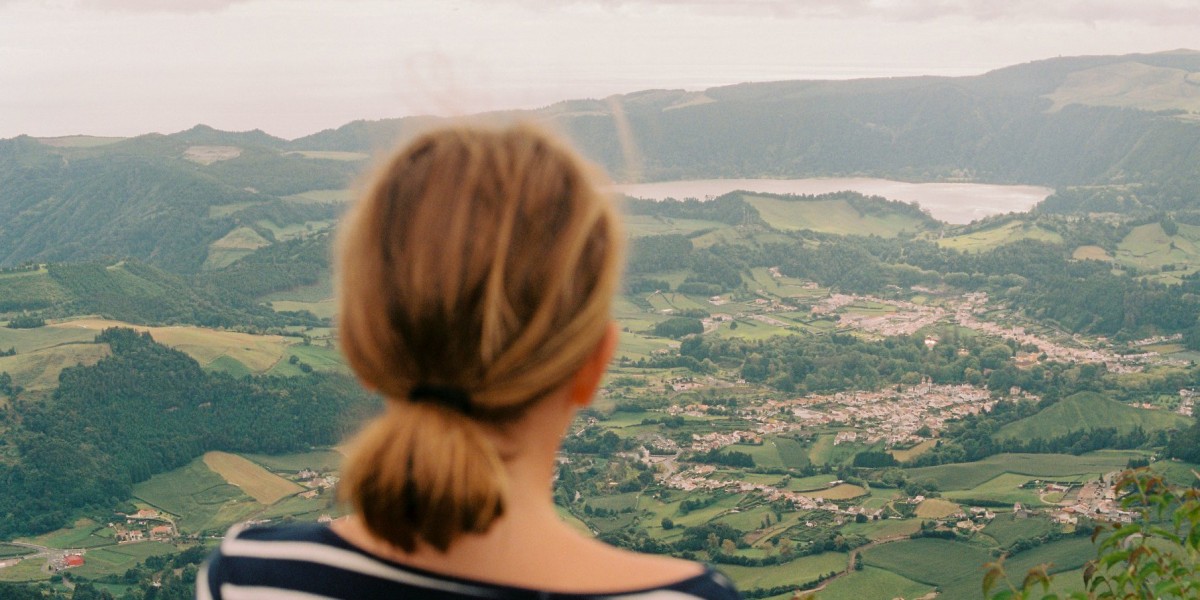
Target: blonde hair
(481,261)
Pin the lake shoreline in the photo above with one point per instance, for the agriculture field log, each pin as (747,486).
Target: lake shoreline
(952,202)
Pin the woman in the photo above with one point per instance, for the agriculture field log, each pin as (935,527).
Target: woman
(476,278)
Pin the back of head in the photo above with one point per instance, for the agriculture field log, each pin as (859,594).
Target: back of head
(477,271)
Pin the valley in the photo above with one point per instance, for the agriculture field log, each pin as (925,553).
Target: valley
(820,389)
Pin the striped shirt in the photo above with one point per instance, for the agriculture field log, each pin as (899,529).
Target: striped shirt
(311,562)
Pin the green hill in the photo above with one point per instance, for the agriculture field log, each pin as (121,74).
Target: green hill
(1050,122)
(1088,410)
(842,213)
(135,292)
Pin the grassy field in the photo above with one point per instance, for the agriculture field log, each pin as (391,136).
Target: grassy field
(115,560)
(201,499)
(1006,528)
(994,237)
(936,508)
(843,491)
(257,482)
(1005,487)
(325,309)
(236,244)
(257,353)
(8,551)
(1091,253)
(885,528)
(644,225)
(873,584)
(294,230)
(963,476)
(954,566)
(319,358)
(911,453)
(84,533)
(318,460)
(1128,84)
(801,570)
(31,288)
(1088,410)
(39,369)
(1064,555)
(33,569)
(1148,247)
(829,216)
(777,452)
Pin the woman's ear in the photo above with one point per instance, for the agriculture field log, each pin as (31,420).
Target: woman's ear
(587,379)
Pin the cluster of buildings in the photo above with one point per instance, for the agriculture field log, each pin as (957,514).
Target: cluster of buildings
(145,524)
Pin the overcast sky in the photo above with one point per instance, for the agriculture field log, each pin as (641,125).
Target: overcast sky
(293,67)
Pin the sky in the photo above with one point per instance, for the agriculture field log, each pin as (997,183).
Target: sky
(294,67)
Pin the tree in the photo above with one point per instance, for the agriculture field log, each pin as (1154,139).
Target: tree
(668,524)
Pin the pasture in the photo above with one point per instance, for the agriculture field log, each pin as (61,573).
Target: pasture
(33,569)
(1089,410)
(936,508)
(963,476)
(1006,528)
(116,559)
(325,309)
(1005,487)
(873,583)
(644,225)
(30,289)
(999,235)
(84,533)
(258,483)
(201,499)
(908,454)
(954,566)
(236,244)
(798,571)
(39,369)
(321,197)
(257,353)
(1091,253)
(829,216)
(885,528)
(321,461)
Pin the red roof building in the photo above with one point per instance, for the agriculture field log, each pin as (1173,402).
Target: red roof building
(75,560)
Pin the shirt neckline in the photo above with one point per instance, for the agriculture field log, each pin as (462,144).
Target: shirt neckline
(333,538)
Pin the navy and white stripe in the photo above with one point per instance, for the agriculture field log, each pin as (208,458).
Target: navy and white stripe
(310,562)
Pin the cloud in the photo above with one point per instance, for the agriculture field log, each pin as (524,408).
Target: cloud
(1155,12)
(132,6)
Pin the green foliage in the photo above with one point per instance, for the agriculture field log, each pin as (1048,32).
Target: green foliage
(677,327)
(26,322)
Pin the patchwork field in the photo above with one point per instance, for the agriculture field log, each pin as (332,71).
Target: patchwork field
(317,460)
(965,476)
(201,499)
(257,353)
(115,560)
(257,482)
